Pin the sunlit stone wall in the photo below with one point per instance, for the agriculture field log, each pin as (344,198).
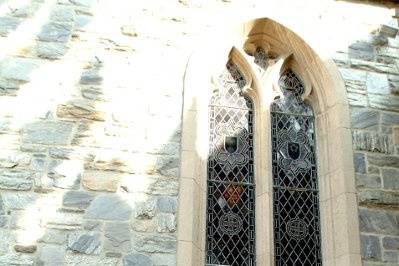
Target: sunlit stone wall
(370,68)
(90,118)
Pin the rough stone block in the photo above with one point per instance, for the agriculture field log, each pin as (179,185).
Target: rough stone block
(166,222)
(77,199)
(391,178)
(378,197)
(167,187)
(48,132)
(368,181)
(164,259)
(371,141)
(25,248)
(372,66)
(50,255)
(16,259)
(370,247)
(357,99)
(389,52)
(378,221)
(93,93)
(17,68)
(117,239)
(391,243)
(377,83)
(51,50)
(53,236)
(363,118)
(91,77)
(43,184)
(86,243)
(390,119)
(167,166)
(145,210)
(361,50)
(384,102)
(55,32)
(353,74)
(77,259)
(8,24)
(65,221)
(140,225)
(388,31)
(120,162)
(109,207)
(167,204)
(10,183)
(383,160)
(101,180)
(359,163)
(61,13)
(62,153)
(394,84)
(19,201)
(390,256)
(154,243)
(80,109)
(136,259)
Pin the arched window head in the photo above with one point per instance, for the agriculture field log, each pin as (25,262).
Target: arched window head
(295,184)
(231,189)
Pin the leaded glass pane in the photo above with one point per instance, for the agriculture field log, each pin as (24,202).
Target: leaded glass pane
(231,190)
(295,188)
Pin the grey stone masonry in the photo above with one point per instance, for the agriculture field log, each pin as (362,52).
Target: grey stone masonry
(372,87)
(89,159)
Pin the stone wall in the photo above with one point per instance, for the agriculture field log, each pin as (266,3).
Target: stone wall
(91,96)
(88,164)
(370,68)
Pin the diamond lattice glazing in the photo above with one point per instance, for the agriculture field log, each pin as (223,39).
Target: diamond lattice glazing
(231,192)
(295,189)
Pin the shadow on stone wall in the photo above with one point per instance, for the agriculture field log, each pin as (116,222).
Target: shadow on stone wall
(74,190)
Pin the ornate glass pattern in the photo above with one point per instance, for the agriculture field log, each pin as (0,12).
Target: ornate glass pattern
(295,188)
(231,190)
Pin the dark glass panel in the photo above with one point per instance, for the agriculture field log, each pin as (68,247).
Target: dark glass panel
(295,189)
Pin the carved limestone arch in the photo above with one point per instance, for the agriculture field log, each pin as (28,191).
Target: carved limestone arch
(324,91)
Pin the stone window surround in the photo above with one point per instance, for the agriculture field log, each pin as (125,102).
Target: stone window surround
(325,92)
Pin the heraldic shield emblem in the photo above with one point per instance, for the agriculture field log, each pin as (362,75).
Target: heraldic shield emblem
(294,150)
(231,144)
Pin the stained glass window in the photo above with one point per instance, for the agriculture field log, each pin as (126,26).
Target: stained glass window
(295,188)
(231,189)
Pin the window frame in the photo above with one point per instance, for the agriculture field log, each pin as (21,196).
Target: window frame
(325,92)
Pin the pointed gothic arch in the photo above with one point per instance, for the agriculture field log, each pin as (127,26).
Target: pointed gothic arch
(324,92)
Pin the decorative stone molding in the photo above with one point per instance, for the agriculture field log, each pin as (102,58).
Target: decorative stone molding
(324,91)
